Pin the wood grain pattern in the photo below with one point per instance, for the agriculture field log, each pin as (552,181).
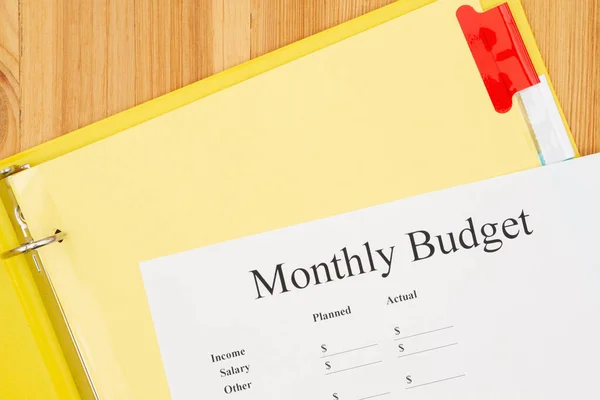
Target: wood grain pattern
(78,61)
(568,34)
(9,77)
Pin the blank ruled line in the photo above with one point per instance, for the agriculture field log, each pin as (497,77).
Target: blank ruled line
(425,333)
(348,351)
(438,381)
(372,397)
(358,366)
(424,351)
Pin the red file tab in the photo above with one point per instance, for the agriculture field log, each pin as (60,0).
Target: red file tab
(499,53)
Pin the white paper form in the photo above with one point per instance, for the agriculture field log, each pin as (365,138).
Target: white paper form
(485,291)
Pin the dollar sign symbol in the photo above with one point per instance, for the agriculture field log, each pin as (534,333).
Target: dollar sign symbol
(335,396)
(401,348)
(323,348)
(397,330)
(408,379)
(328,365)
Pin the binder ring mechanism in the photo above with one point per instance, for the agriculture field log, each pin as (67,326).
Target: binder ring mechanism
(13,169)
(34,244)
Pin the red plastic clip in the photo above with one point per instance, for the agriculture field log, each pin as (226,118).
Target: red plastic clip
(499,53)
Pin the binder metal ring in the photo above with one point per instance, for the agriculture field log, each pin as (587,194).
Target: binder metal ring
(13,169)
(34,245)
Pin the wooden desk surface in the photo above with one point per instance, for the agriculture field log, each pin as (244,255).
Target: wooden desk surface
(67,63)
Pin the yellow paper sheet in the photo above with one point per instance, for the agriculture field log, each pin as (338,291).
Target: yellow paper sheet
(294,144)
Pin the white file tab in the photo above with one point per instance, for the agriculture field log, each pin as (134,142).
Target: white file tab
(485,291)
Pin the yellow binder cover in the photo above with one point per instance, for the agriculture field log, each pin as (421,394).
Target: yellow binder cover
(367,112)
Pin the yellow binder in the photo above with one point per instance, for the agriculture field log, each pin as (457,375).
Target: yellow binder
(367,112)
